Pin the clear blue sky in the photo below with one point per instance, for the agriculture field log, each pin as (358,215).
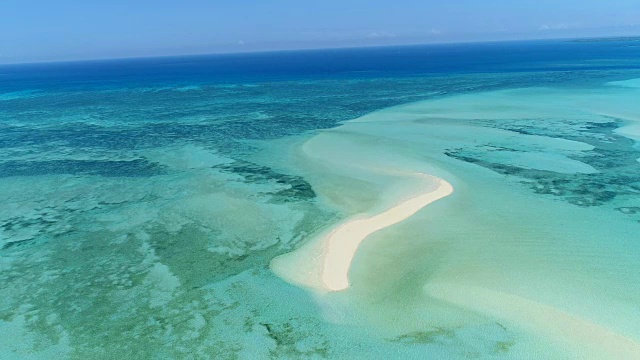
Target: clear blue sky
(49,30)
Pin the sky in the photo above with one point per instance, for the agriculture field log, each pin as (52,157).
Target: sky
(61,30)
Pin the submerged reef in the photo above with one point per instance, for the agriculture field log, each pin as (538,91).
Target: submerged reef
(296,188)
(613,156)
(108,168)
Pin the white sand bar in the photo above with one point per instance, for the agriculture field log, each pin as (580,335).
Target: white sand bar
(344,241)
(330,258)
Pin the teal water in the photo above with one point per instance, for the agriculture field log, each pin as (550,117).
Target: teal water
(144,200)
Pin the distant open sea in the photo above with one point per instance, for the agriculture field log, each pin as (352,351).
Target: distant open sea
(143,202)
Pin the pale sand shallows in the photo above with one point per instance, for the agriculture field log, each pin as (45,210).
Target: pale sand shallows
(586,339)
(324,265)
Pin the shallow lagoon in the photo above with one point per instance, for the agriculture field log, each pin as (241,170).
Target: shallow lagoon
(543,247)
(141,215)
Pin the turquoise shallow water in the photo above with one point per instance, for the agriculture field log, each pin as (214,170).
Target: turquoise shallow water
(540,227)
(143,202)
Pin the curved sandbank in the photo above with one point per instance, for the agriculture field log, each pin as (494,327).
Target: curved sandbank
(324,264)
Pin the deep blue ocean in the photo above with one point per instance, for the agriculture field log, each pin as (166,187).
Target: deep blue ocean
(350,63)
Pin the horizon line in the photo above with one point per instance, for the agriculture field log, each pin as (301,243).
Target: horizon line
(302,49)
